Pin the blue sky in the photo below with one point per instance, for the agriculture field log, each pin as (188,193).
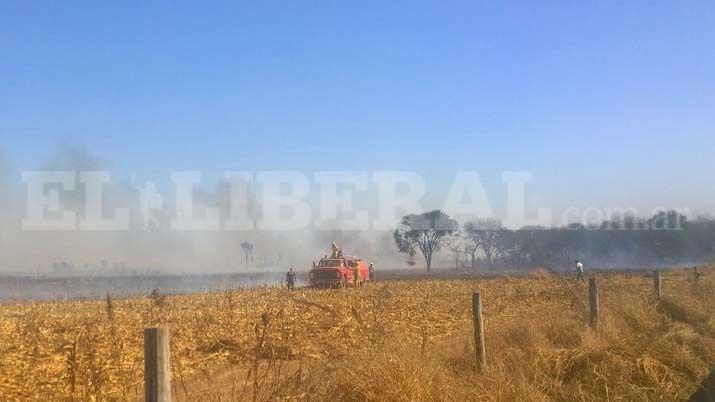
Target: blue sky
(607,103)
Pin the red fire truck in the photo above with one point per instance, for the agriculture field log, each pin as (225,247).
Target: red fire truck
(337,272)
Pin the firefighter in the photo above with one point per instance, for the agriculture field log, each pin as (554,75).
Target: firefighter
(371,271)
(579,270)
(335,248)
(290,279)
(356,274)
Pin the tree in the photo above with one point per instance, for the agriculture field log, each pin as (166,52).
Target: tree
(424,232)
(247,248)
(484,234)
(456,250)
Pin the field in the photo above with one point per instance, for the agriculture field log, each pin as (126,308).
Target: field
(393,340)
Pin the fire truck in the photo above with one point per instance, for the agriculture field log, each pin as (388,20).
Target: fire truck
(337,271)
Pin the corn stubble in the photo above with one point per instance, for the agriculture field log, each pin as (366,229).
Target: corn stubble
(393,341)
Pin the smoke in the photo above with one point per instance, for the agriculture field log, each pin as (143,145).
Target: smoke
(151,246)
(156,249)
(7,206)
(37,251)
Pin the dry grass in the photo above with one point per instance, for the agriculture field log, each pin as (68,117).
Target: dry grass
(641,350)
(393,341)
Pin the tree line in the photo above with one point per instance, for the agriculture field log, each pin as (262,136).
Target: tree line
(667,238)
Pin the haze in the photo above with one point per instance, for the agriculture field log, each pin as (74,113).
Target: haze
(606,105)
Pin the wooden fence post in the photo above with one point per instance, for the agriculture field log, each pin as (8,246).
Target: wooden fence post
(593,299)
(478,330)
(157,367)
(656,283)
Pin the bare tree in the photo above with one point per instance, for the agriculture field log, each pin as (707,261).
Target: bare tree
(457,247)
(485,235)
(247,248)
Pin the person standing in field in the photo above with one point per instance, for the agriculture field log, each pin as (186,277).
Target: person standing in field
(356,274)
(579,270)
(290,279)
(371,271)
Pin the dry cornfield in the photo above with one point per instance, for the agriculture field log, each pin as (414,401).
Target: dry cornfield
(395,340)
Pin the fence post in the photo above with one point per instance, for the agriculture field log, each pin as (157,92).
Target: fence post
(656,283)
(478,330)
(593,300)
(157,367)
